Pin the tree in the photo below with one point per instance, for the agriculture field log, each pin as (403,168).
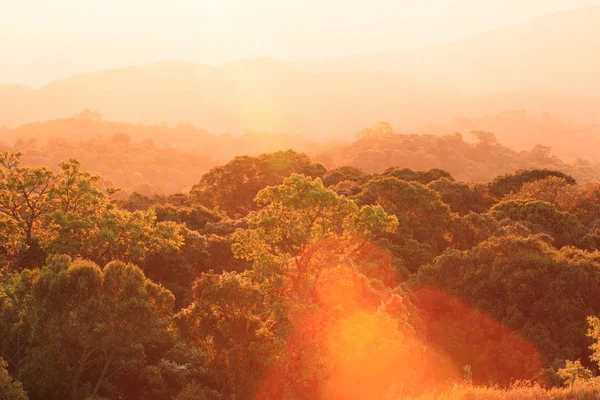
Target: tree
(15,293)
(25,193)
(527,286)
(228,322)
(486,139)
(69,213)
(341,174)
(556,190)
(469,230)
(542,217)
(137,202)
(594,333)
(194,217)
(295,215)
(422,177)
(573,372)
(112,234)
(10,389)
(232,187)
(10,243)
(89,115)
(512,183)
(304,238)
(379,130)
(90,325)
(176,268)
(461,197)
(587,206)
(420,211)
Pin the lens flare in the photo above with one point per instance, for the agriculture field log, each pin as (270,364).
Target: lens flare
(359,335)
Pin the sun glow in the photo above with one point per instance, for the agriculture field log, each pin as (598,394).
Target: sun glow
(373,340)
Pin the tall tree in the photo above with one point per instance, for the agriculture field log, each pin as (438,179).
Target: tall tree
(25,193)
(420,211)
(229,322)
(232,187)
(10,389)
(90,325)
(296,215)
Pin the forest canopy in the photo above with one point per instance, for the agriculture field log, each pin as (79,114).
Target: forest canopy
(162,159)
(278,277)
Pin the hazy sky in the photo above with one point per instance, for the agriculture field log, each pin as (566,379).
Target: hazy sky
(44,40)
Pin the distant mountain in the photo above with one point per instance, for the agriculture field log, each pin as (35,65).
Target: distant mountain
(260,95)
(554,53)
(547,65)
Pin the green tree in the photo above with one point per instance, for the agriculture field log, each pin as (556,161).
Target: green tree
(295,215)
(116,235)
(422,177)
(573,372)
(341,174)
(10,389)
(15,294)
(469,230)
(69,213)
(10,243)
(462,198)
(232,187)
(90,325)
(554,189)
(176,268)
(527,286)
(420,211)
(542,217)
(512,183)
(594,333)
(228,322)
(25,193)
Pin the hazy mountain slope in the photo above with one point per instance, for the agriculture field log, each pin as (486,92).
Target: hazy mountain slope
(553,53)
(259,95)
(547,65)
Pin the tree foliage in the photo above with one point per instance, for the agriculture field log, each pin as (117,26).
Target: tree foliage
(525,284)
(10,389)
(233,186)
(276,278)
(512,183)
(89,326)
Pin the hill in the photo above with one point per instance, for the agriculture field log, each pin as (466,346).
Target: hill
(553,53)
(155,159)
(264,95)
(546,65)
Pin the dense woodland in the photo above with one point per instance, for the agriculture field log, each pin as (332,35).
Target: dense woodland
(398,266)
(164,160)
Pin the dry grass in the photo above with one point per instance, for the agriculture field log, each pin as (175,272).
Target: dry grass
(582,391)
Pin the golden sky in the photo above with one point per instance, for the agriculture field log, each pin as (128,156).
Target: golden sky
(44,40)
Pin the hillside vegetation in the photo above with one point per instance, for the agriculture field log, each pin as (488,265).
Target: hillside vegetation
(276,277)
(158,159)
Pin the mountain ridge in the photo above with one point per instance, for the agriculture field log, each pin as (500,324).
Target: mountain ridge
(264,94)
